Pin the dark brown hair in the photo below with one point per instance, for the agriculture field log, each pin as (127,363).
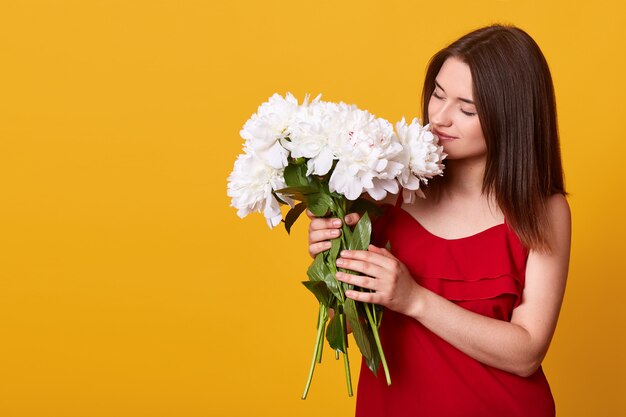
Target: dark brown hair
(514,98)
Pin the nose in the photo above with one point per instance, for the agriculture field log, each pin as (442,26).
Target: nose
(440,115)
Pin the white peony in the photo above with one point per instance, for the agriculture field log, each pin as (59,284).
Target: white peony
(351,149)
(368,154)
(264,130)
(422,156)
(250,186)
(309,135)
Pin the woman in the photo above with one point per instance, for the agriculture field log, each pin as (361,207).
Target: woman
(475,277)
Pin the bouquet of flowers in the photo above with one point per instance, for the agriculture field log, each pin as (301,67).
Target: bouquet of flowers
(328,157)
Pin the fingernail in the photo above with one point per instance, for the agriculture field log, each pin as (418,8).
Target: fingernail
(327,245)
(336,222)
(339,261)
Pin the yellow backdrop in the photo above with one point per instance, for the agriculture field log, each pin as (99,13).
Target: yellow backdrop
(128,286)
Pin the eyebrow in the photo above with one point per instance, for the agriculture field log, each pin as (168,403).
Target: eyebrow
(465,100)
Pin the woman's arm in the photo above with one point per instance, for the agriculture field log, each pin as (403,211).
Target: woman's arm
(517,347)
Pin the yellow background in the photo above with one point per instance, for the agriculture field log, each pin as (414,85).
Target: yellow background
(128,286)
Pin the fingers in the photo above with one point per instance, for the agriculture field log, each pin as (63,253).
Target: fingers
(316,248)
(358,280)
(385,280)
(324,234)
(378,256)
(364,297)
(363,282)
(381,251)
(352,219)
(367,268)
(310,214)
(321,230)
(318,223)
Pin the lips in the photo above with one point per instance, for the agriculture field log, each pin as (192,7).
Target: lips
(443,136)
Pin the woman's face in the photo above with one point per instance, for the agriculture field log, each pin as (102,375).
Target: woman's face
(452,113)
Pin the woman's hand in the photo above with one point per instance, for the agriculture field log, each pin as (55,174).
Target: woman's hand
(321,230)
(383,273)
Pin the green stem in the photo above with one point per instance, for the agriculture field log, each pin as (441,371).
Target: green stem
(378,345)
(374,315)
(341,214)
(345,236)
(346,361)
(320,344)
(320,330)
(346,365)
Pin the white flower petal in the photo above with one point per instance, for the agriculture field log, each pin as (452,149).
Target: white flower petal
(377,193)
(250,185)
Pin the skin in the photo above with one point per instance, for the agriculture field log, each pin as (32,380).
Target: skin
(518,346)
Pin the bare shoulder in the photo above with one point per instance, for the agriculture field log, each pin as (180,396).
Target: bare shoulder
(558,205)
(560,223)
(559,212)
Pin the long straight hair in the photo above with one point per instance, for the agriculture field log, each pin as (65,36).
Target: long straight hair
(515,102)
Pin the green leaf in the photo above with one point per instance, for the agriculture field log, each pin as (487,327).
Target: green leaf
(298,192)
(319,203)
(316,270)
(374,361)
(293,215)
(333,285)
(358,330)
(320,271)
(335,333)
(295,175)
(360,239)
(280,198)
(319,289)
(379,314)
(334,250)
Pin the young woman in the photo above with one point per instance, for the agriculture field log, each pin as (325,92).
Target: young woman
(475,278)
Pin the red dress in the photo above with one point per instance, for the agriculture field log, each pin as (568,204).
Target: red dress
(483,273)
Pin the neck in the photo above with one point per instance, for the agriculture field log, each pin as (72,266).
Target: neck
(463,178)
